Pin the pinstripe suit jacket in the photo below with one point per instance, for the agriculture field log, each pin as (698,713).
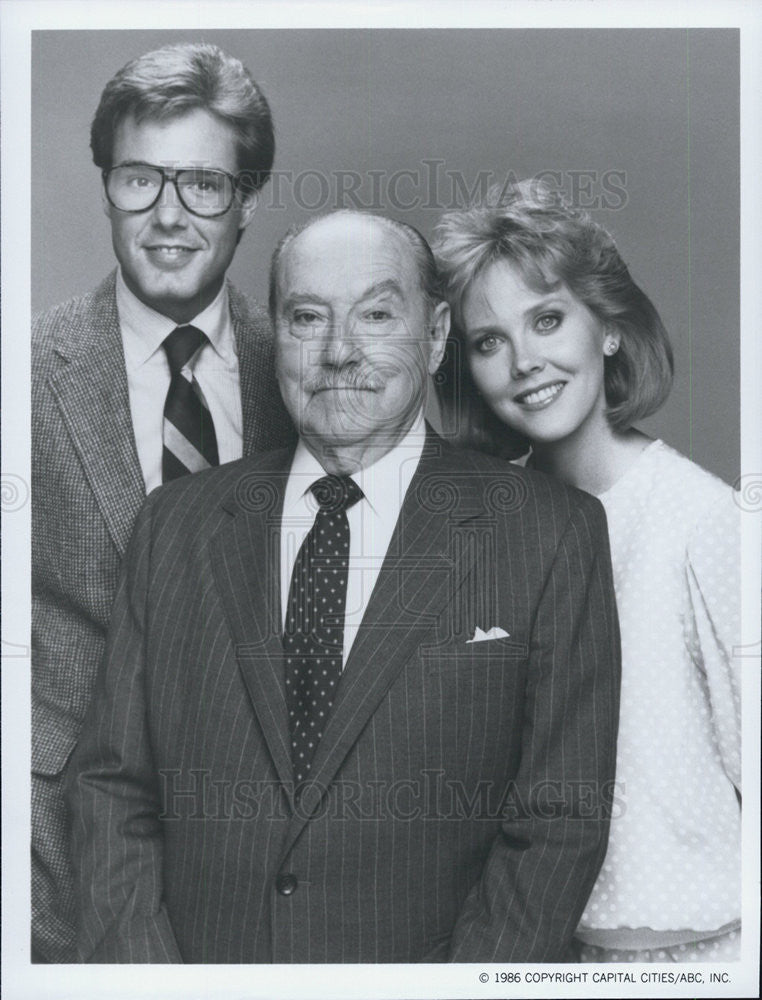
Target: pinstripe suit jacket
(87,490)
(457,805)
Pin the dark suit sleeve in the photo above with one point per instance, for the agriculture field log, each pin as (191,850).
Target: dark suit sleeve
(543,865)
(112,792)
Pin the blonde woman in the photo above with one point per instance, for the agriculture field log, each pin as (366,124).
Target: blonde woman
(556,348)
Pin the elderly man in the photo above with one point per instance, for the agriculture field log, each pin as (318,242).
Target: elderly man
(162,370)
(360,699)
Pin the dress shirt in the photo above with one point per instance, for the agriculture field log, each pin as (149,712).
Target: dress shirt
(148,376)
(371,521)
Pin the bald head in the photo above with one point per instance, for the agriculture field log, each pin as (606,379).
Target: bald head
(422,259)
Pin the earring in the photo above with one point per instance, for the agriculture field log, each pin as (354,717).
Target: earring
(611,347)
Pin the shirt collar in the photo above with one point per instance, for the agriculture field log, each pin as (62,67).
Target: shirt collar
(144,329)
(384,484)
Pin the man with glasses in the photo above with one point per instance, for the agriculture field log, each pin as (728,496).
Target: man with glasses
(163,370)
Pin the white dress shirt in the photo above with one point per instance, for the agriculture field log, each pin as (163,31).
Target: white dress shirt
(372,520)
(148,376)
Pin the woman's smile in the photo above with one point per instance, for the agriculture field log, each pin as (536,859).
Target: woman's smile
(536,356)
(541,397)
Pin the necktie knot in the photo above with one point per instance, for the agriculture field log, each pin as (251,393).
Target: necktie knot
(336,493)
(181,345)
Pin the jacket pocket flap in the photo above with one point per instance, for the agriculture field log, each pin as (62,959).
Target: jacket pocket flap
(54,737)
(461,650)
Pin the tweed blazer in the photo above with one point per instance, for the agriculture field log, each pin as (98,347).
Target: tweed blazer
(87,489)
(458,801)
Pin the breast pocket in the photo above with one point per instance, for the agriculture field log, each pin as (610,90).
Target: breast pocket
(472,710)
(462,655)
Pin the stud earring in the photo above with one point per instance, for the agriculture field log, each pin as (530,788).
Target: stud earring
(611,347)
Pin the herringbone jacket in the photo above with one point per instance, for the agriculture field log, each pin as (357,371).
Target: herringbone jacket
(87,488)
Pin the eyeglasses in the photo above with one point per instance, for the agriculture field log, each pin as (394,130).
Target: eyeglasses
(137,187)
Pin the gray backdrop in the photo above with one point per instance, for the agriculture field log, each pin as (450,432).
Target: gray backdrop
(642,126)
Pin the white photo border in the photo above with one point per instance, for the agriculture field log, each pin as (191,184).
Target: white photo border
(18,19)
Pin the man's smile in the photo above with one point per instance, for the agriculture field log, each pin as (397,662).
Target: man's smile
(170,249)
(169,255)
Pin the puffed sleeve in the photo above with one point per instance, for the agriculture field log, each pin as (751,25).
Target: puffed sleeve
(714,587)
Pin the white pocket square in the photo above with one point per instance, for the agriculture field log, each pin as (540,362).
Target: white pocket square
(494,633)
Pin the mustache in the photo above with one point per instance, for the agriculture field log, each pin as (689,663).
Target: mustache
(345,378)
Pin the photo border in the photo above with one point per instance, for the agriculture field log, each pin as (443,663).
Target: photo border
(17,21)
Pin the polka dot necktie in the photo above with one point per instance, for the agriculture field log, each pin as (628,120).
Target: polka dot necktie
(190,443)
(313,640)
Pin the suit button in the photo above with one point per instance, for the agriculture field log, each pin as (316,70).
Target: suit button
(286,884)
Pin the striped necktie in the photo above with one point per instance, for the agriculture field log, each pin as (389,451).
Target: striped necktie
(190,443)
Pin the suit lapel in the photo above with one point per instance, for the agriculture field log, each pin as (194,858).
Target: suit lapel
(92,395)
(418,579)
(246,564)
(422,573)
